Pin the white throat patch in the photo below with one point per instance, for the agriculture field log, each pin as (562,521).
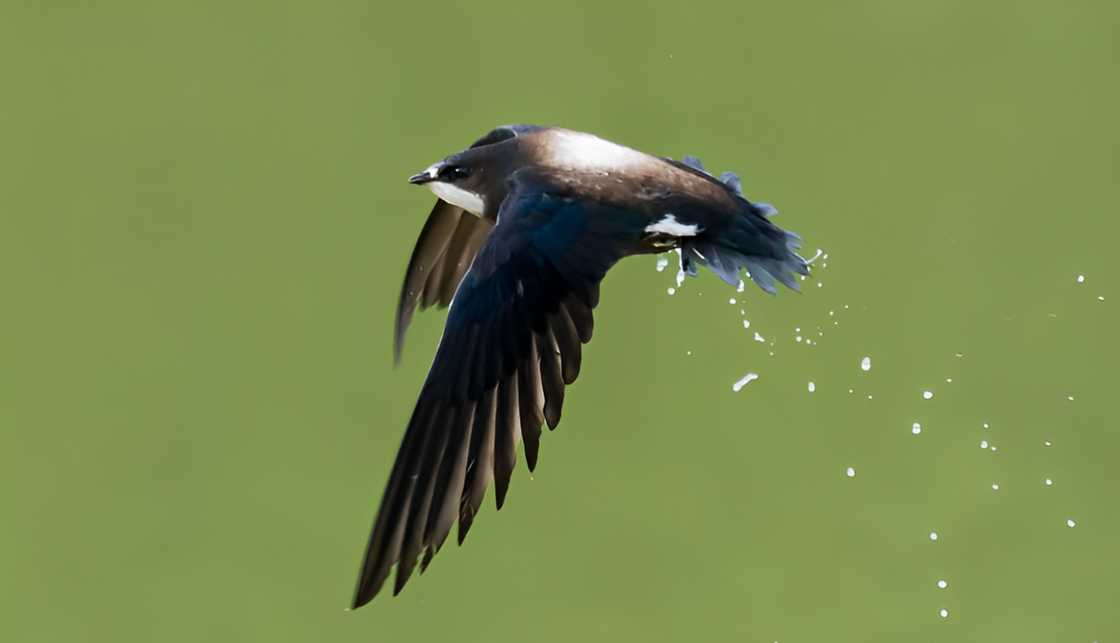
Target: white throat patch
(456,195)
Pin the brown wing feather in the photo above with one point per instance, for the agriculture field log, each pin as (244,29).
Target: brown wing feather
(447,245)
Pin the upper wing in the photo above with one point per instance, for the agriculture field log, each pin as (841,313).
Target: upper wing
(511,343)
(447,244)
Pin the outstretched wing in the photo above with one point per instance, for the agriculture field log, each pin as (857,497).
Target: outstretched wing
(445,249)
(511,343)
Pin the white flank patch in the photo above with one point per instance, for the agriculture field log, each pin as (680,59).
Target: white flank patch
(456,195)
(670,226)
(580,150)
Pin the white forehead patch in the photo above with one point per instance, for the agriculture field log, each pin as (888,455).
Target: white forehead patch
(579,150)
(670,226)
(456,195)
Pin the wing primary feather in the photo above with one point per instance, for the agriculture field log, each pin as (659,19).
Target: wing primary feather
(567,340)
(507,435)
(421,501)
(531,405)
(551,378)
(582,318)
(450,497)
(481,470)
(430,246)
(479,232)
(457,258)
(388,530)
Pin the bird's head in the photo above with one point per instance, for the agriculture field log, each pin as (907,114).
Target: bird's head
(458,179)
(476,178)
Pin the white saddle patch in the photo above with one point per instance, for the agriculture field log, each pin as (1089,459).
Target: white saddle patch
(585,151)
(670,226)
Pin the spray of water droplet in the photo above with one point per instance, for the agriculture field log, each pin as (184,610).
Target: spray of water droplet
(743,381)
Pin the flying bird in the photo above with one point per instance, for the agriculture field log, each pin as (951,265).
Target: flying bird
(528,221)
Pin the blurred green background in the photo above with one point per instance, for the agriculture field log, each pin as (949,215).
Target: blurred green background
(203,226)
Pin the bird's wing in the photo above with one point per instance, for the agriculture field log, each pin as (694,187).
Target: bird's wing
(445,249)
(511,343)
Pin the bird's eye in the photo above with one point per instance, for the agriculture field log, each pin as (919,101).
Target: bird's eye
(453,172)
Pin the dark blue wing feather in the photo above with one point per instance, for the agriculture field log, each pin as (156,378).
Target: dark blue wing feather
(511,343)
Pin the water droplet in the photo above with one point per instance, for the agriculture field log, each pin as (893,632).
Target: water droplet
(798,338)
(985,425)
(850,472)
(743,381)
(943,613)
(995,486)
(746,323)
(1080,279)
(933,535)
(672,291)
(1048,482)
(1100,297)
(942,583)
(1069,397)
(732,301)
(1070,523)
(948,380)
(741,286)
(983,444)
(1047,443)
(812,387)
(927,395)
(662,263)
(865,364)
(758,337)
(916,428)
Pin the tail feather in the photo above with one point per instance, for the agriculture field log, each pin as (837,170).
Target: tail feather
(751,241)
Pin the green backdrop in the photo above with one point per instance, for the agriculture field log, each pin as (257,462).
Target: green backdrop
(204,221)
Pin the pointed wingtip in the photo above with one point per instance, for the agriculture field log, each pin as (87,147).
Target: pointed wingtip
(399,581)
(362,596)
(500,490)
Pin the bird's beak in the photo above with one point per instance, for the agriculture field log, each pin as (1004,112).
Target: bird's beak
(425,176)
